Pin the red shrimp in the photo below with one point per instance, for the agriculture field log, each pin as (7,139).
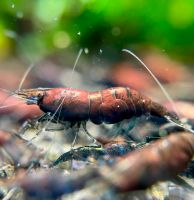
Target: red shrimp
(110,105)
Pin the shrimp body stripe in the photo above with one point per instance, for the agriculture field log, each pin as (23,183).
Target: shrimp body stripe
(100,102)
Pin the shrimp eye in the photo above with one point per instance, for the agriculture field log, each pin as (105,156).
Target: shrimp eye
(39,97)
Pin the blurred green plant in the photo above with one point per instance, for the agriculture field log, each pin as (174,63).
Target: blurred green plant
(37,28)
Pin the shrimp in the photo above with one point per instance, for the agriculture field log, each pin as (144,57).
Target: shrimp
(110,105)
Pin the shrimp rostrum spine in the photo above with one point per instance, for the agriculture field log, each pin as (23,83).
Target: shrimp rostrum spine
(110,105)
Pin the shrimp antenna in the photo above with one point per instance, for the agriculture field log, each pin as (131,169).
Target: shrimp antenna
(11,93)
(75,64)
(157,81)
(25,75)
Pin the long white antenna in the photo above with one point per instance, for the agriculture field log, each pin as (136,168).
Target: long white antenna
(75,64)
(25,75)
(157,81)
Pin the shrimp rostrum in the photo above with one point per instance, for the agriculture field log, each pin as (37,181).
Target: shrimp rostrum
(110,105)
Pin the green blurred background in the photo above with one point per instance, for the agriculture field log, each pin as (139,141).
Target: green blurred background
(38,28)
